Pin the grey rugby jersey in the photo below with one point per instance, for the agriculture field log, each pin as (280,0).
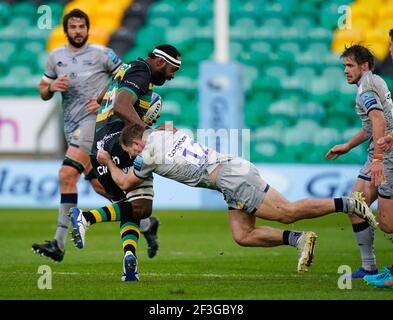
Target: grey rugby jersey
(88,71)
(176,156)
(372,94)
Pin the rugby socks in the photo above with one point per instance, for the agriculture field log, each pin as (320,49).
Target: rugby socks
(341,204)
(67,201)
(129,233)
(365,238)
(119,211)
(114,212)
(291,237)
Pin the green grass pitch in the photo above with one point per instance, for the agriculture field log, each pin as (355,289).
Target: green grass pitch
(197,260)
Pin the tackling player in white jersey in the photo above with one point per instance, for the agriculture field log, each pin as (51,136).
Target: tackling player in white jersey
(176,156)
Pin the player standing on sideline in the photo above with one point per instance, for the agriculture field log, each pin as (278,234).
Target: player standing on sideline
(375,180)
(176,156)
(385,278)
(126,100)
(79,70)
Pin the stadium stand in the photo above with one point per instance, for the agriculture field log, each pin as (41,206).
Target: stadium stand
(289,49)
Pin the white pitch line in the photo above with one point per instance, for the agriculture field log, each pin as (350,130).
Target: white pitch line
(206,275)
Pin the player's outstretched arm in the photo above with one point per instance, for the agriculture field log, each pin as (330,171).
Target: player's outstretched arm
(125,181)
(341,149)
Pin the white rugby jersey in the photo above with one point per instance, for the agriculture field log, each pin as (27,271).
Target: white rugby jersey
(373,94)
(176,156)
(88,71)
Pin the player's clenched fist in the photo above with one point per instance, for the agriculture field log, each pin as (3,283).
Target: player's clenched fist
(60,84)
(385,143)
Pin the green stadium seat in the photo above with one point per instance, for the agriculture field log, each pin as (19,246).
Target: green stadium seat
(261,52)
(270,31)
(265,151)
(332,59)
(250,74)
(25,9)
(320,90)
(190,23)
(335,75)
(5,13)
(327,137)
(149,32)
(37,34)
(244,23)
(284,109)
(164,9)
(328,15)
(287,53)
(306,75)
(337,121)
(160,22)
(268,133)
(56,9)
(306,8)
(255,109)
(24,58)
(41,63)
(296,141)
(278,72)
(14,83)
(292,34)
(294,84)
(203,11)
(302,23)
(204,33)
(248,9)
(312,110)
(320,34)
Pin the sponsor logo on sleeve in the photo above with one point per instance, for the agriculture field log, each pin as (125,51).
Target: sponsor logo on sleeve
(113,56)
(138,162)
(368,99)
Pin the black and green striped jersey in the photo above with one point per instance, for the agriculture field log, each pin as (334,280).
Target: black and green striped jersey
(134,77)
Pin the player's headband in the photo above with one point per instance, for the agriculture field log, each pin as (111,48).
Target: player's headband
(167,57)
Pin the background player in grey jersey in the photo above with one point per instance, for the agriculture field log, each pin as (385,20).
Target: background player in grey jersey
(375,180)
(176,156)
(79,71)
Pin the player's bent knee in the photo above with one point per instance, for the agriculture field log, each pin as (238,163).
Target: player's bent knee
(142,208)
(241,238)
(68,175)
(287,217)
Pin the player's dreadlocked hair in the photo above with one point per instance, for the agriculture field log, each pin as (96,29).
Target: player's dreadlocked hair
(361,55)
(131,132)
